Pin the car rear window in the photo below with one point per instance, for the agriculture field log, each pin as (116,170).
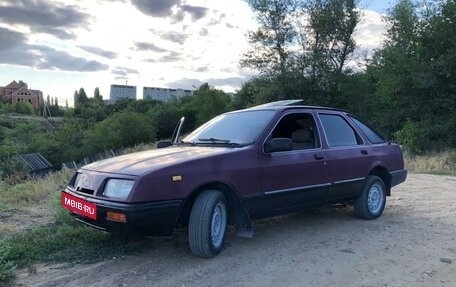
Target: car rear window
(372,135)
(338,131)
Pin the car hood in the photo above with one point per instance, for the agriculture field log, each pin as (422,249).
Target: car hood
(143,162)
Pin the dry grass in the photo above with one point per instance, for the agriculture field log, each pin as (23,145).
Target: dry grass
(34,227)
(435,163)
(29,203)
(34,191)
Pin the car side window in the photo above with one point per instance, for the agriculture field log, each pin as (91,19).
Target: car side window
(300,128)
(338,131)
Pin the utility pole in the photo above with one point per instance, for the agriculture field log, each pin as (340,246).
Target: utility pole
(46,110)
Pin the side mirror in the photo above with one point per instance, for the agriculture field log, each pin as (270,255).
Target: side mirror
(163,144)
(278,144)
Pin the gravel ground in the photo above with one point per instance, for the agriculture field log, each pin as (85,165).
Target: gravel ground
(412,244)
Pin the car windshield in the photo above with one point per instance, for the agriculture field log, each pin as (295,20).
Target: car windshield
(238,128)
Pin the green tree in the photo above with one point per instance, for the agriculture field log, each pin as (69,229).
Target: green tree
(122,129)
(327,42)
(324,31)
(164,117)
(64,144)
(80,99)
(97,96)
(270,50)
(206,103)
(414,75)
(22,84)
(25,108)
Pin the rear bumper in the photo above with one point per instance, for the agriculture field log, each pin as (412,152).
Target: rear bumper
(153,218)
(398,176)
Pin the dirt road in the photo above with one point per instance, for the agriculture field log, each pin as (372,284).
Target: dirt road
(412,244)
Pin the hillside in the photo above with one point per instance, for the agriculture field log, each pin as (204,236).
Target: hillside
(12,120)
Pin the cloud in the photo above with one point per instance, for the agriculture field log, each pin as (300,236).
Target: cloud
(123,71)
(99,52)
(52,59)
(203,32)
(197,12)
(174,37)
(202,69)
(370,32)
(155,8)
(218,20)
(143,46)
(171,56)
(186,83)
(10,39)
(44,16)
(19,52)
(170,8)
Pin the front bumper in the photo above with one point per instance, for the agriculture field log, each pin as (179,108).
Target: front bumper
(398,176)
(153,218)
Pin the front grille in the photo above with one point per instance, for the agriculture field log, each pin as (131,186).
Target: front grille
(85,190)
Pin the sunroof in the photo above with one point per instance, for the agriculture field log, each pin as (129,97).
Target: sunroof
(279,103)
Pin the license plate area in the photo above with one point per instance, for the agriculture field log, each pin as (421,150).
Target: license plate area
(79,206)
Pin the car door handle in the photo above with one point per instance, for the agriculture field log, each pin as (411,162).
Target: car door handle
(318,156)
(364,152)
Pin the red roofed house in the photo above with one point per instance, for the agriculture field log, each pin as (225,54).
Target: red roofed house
(15,93)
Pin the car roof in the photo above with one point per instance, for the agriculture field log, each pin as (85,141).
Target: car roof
(290,104)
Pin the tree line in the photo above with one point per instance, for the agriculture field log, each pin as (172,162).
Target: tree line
(300,50)
(407,88)
(91,126)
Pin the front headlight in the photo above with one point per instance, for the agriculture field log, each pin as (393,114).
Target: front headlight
(118,188)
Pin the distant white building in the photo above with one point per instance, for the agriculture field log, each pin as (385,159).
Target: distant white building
(120,92)
(165,94)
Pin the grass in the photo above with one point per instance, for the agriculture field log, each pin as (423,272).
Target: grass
(443,163)
(56,236)
(61,243)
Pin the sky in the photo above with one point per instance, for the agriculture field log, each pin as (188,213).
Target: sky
(59,46)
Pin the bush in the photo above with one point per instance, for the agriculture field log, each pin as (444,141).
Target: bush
(7,267)
(13,170)
(123,129)
(410,137)
(25,108)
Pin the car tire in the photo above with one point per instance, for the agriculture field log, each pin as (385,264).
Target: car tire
(207,224)
(371,203)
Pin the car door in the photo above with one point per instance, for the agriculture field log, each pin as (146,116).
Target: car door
(348,156)
(298,177)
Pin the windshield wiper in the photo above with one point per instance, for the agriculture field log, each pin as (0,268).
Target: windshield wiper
(221,141)
(215,140)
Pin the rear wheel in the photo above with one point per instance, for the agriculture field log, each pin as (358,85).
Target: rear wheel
(207,225)
(371,203)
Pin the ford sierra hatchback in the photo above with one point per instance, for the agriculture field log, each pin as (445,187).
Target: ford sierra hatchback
(240,166)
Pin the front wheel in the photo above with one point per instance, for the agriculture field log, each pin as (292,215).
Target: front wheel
(207,225)
(371,203)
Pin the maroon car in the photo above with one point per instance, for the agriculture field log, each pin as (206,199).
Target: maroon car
(240,166)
